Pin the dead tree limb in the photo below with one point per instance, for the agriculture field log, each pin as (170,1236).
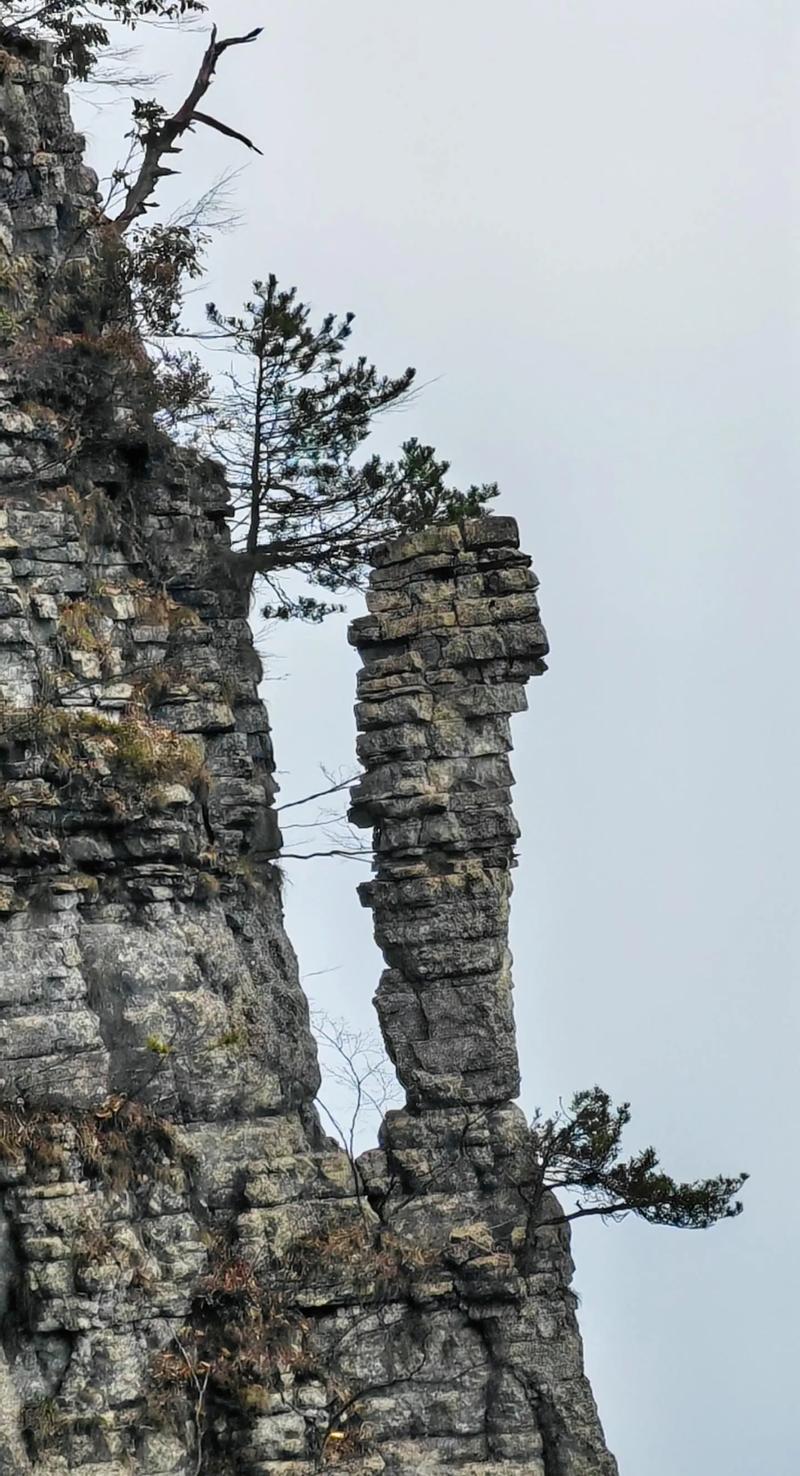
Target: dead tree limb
(163,140)
(229,132)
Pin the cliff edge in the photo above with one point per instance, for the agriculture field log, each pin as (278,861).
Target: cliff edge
(193,1277)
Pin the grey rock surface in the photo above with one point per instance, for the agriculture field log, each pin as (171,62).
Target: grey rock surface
(453,635)
(193,1278)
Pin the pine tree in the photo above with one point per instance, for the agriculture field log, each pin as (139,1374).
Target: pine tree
(294,418)
(579,1150)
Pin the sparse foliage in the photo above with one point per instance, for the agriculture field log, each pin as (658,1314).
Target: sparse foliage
(354,1064)
(81,34)
(80,31)
(122,1142)
(160,260)
(291,426)
(160,133)
(329,824)
(578,1150)
(292,422)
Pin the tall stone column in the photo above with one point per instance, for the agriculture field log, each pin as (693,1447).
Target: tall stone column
(452,637)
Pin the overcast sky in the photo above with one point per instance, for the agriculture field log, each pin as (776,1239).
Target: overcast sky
(579,219)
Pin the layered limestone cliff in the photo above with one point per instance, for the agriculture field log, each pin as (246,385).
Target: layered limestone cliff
(193,1277)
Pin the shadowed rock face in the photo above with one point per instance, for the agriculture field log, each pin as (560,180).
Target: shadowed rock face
(193,1278)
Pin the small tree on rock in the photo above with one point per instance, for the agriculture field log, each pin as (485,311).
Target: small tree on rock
(579,1150)
(294,417)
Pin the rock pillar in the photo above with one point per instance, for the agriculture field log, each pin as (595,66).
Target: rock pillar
(452,637)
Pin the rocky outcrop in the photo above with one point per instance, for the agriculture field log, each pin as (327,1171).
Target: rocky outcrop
(452,638)
(193,1278)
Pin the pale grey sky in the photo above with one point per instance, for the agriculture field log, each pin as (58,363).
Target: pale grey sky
(580,221)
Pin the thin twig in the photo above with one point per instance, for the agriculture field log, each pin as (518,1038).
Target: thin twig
(320,794)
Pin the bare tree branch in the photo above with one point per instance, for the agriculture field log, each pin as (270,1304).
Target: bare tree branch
(163,140)
(334,789)
(315,855)
(223,128)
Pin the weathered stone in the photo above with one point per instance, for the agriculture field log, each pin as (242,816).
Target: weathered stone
(194,1277)
(437,792)
(455,742)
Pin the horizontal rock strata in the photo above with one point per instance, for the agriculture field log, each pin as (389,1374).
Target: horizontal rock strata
(452,637)
(194,1279)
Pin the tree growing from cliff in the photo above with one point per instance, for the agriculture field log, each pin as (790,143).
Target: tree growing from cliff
(148,275)
(289,429)
(294,414)
(578,1150)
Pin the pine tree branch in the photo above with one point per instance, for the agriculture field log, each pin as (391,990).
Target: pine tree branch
(605,1211)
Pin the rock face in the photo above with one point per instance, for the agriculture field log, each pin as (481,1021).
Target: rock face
(452,637)
(193,1278)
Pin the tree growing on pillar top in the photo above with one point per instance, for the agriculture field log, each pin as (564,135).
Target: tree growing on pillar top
(293,419)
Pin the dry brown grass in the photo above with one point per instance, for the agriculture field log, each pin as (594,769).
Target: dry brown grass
(122,1142)
(135,749)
